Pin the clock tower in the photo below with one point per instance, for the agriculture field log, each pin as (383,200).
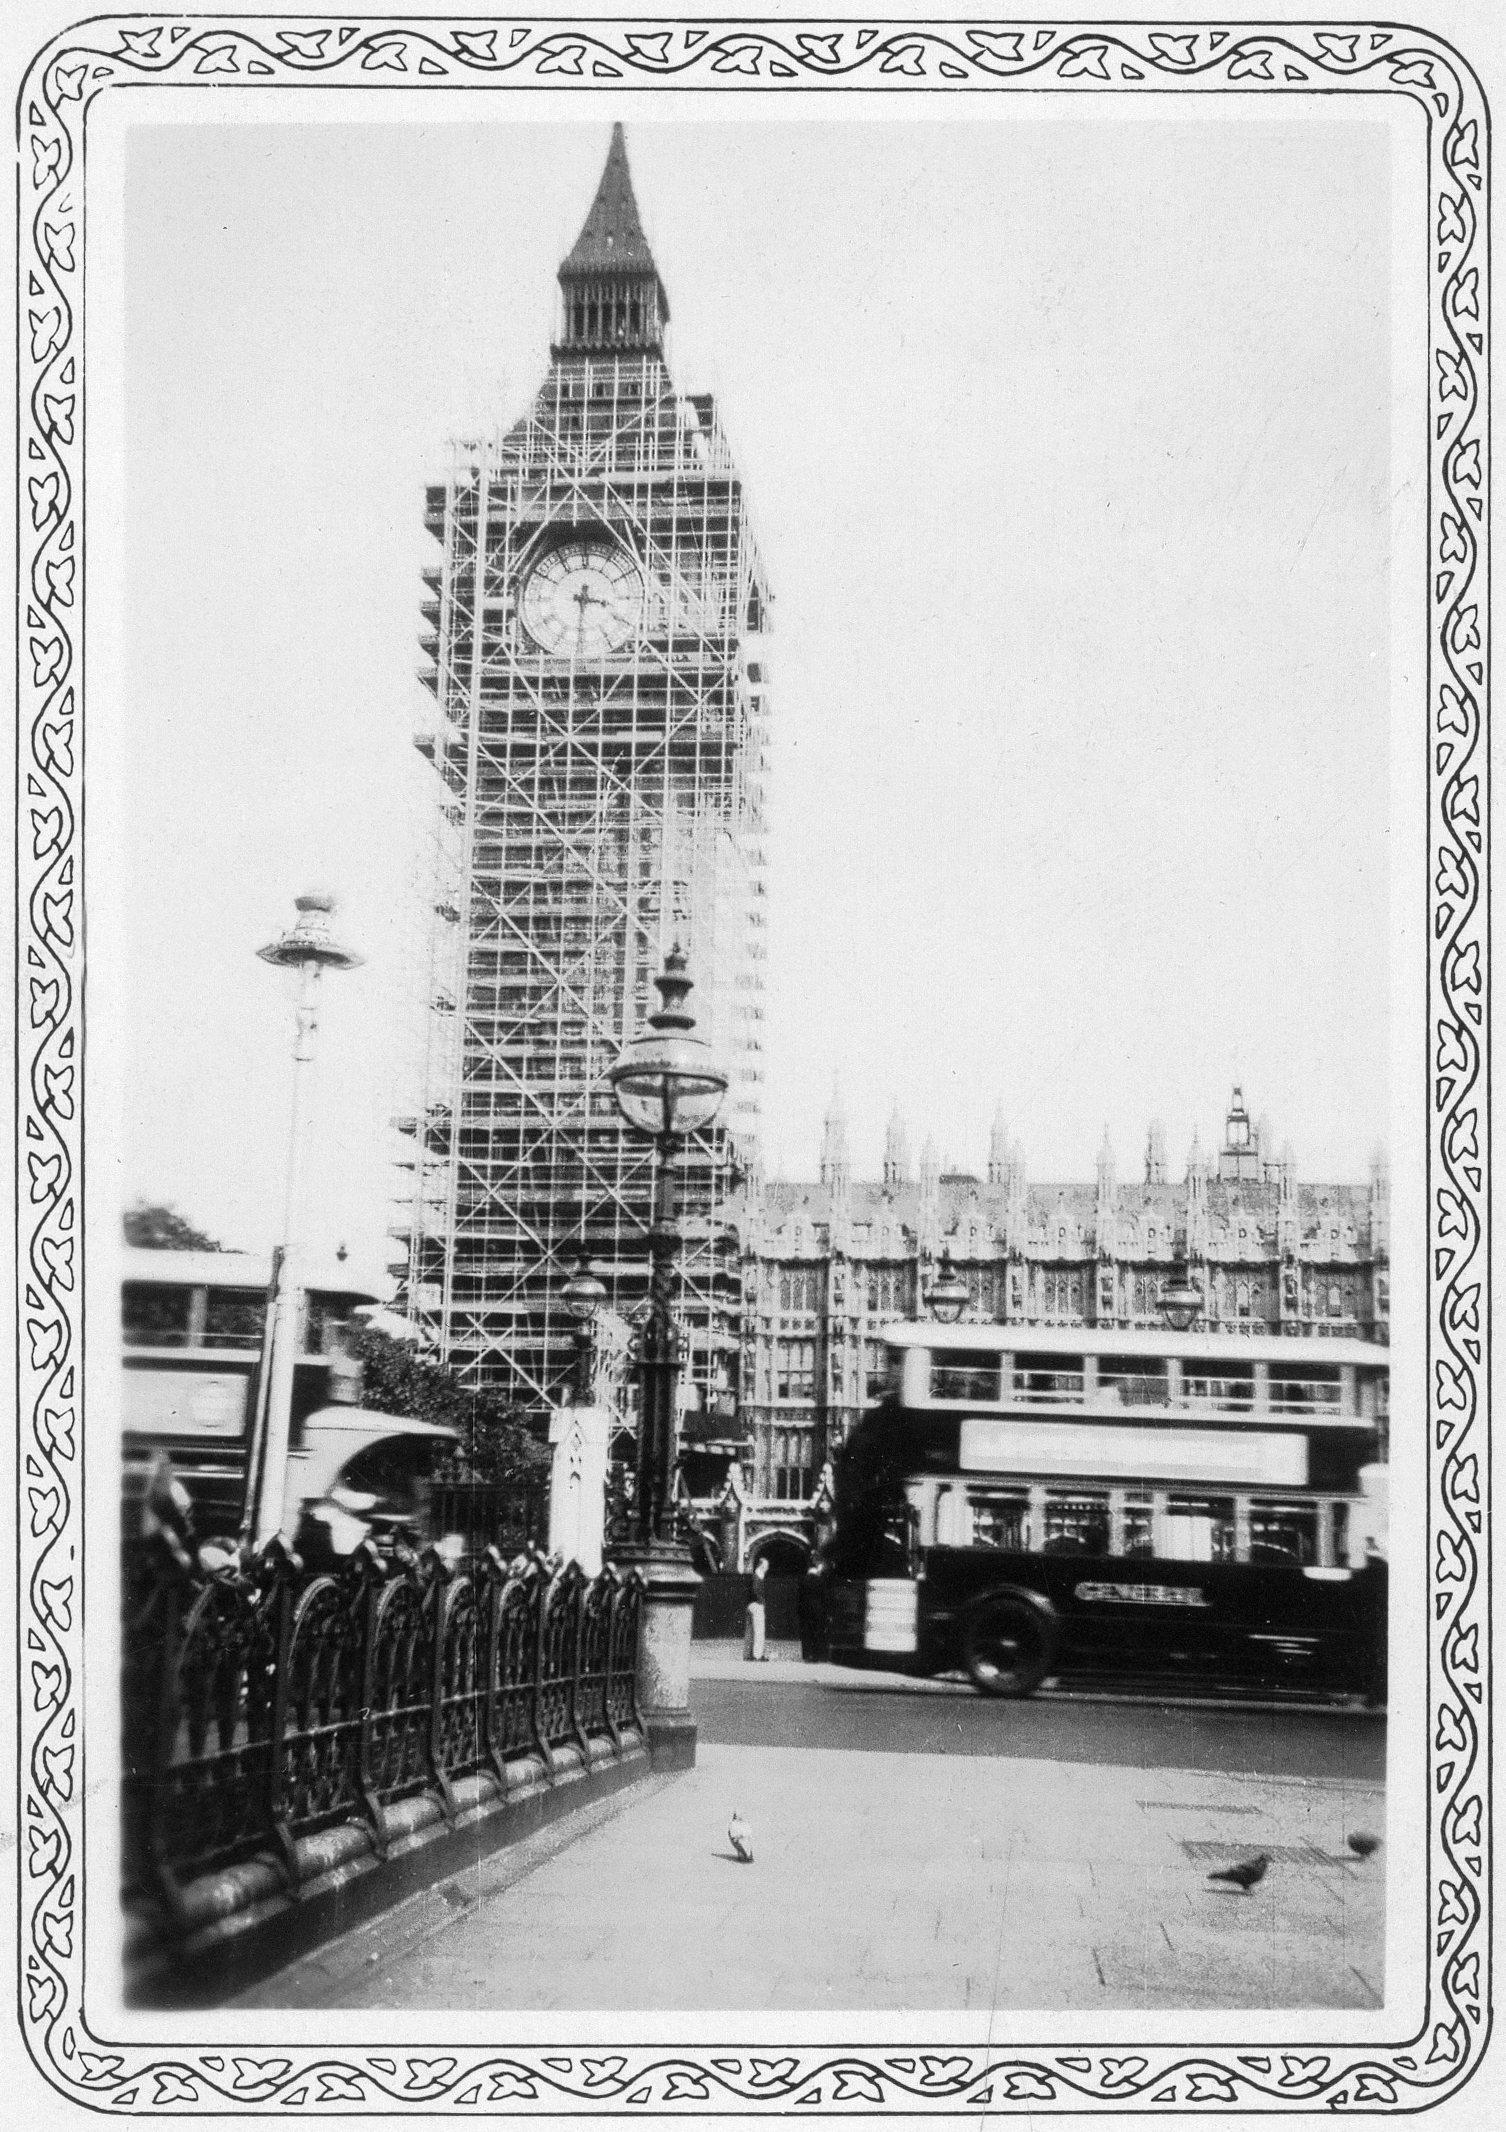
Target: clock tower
(596,626)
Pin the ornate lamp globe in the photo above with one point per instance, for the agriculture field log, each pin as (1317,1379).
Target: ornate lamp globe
(309,939)
(1181,1300)
(946,1298)
(666,1080)
(585,1292)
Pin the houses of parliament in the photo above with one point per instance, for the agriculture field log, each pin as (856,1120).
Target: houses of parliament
(827,1262)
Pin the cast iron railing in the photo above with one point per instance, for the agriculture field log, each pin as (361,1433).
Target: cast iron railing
(263,1705)
(504,1515)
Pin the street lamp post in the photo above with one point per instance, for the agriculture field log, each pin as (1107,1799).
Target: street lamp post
(946,1298)
(309,949)
(583,1295)
(1181,1300)
(667,1085)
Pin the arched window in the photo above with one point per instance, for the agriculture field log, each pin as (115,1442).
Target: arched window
(1242,1298)
(1335,1300)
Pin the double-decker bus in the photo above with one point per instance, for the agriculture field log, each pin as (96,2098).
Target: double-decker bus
(193,1329)
(1025,1502)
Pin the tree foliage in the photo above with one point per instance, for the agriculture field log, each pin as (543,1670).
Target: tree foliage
(495,1442)
(162,1228)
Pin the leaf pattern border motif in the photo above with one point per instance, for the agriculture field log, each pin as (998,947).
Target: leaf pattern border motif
(108,53)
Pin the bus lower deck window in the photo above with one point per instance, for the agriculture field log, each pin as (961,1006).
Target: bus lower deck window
(1138,1528)
(1076,1525)
(1284,1532)
(1001,1521)
(1198,1528)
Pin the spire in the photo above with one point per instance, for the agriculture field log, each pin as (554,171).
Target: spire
(613,297)
(1287,1210)
(930,1169)
(1265,1146)
(1155,1153)
(1106,1220)
(998,1149)
(1380,1202)
(896,1151)
(1239,1156)
(835,1167)
(611,238)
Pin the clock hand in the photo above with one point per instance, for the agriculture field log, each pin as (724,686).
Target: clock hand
(582,599)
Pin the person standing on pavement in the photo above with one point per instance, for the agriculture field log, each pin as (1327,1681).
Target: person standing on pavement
(811,1602)
(755,1626)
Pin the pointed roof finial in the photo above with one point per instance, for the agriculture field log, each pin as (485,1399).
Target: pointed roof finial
(611,240)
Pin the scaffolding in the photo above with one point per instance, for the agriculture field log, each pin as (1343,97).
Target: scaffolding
(600,741)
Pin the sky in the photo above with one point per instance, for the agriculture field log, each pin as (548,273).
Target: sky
(1068,447)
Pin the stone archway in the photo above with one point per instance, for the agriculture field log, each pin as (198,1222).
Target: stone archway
(787,1554)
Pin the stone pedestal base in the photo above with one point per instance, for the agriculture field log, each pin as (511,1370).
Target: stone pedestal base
(664,1651)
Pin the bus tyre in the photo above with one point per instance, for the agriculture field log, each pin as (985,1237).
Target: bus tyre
(1008,1646)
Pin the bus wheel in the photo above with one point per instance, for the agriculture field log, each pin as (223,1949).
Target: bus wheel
(1008,1647)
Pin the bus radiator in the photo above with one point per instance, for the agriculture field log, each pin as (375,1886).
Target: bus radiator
(889,1614)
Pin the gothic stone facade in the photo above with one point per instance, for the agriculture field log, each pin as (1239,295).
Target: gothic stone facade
(827,1264)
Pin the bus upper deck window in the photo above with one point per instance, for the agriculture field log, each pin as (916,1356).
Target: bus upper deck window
(155,1314)
(1049,1380)
(1133,1381)
(1306,1388)
(964,1375)
(234,1317)
(1231,1391)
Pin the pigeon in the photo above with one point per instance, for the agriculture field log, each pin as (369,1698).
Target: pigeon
(1246,1873)
(740,1836)
(1363,1846)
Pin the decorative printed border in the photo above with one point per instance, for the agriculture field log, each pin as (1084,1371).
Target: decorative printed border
(103,56)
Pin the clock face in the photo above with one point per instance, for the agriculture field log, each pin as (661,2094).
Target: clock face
(583,601)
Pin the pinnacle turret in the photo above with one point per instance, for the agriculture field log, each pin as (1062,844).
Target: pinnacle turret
(896,1151)
(836,1170)
(998,1148)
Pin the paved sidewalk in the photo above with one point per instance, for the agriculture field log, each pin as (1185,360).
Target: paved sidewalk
(895,1881)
